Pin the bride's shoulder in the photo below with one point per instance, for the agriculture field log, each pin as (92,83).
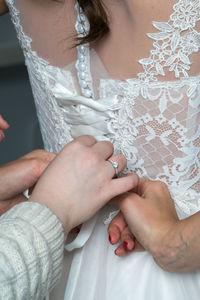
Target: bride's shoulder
(3,7)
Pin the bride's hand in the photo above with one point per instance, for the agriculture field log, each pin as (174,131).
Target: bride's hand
(119,231)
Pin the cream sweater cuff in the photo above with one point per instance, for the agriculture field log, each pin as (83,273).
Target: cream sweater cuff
(48,226)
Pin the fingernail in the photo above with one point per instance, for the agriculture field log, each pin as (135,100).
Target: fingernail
(125,244)
(110,240)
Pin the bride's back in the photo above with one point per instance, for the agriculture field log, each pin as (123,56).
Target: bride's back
(51,26)
(153,117)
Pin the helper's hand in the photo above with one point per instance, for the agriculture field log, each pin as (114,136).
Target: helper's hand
(151,216)
(80,181)
(149,211)
(120,232)
(9,203)
(3,126)
(19,175)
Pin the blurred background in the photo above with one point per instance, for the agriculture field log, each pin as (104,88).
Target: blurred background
(16,101)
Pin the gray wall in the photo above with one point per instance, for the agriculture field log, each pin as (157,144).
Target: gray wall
(16,101)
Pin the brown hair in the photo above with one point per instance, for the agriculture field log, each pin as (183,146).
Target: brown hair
(98,20)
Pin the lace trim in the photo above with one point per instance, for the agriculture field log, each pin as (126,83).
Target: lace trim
(187,203)
(191,82)
(173,45)
(175,42)
(24,40)
(38,68)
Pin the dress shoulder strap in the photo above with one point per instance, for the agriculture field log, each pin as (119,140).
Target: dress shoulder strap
(24,40)
(173,44)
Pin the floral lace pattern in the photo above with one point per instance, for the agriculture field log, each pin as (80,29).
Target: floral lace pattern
(176,40)
(159,134)
(50,115)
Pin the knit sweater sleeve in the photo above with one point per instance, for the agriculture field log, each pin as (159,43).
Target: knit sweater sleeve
(31,252)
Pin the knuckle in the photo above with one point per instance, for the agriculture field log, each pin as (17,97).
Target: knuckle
(74,146)
(110,145)
(94,156)
(84,138)
(160,186)
(127,201)
(42,155)
(37,167)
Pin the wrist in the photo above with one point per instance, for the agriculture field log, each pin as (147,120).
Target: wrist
(56,209)
(170,253)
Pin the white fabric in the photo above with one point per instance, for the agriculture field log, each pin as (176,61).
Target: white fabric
(154,120)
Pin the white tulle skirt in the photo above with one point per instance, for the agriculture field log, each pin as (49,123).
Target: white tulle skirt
(96,273)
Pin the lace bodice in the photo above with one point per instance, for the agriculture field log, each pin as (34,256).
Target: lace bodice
(153,121)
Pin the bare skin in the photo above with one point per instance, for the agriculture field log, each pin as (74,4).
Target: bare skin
(19,175)
(80,171)
(80,181)
(130,21)
(3,126)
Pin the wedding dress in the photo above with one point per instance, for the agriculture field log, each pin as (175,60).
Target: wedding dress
(154,122)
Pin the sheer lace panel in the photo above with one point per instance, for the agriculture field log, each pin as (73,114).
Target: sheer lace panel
(171,49)
(158,130)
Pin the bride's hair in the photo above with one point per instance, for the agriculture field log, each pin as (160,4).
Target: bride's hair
(98,19)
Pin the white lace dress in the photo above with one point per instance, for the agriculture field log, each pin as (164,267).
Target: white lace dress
(154,123)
